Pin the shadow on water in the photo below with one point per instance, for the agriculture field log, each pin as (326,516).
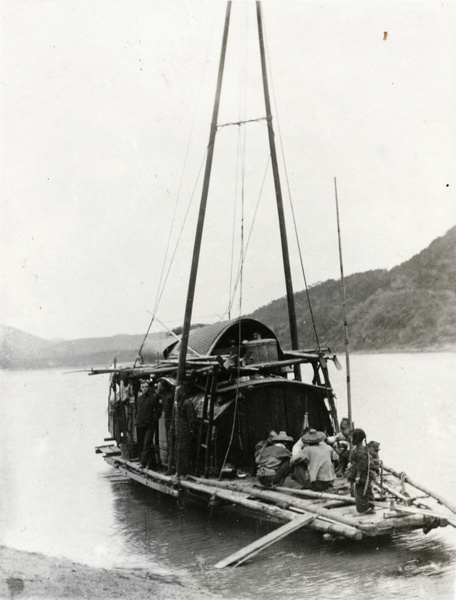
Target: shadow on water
(190,539)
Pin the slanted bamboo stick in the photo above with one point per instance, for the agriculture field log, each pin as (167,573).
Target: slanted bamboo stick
(422,488)
(238,498)
(239,557)
(279,499)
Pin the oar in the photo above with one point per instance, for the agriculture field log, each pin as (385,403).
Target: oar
(264,542)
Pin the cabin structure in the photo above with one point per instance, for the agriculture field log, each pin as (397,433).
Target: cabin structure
(241,384)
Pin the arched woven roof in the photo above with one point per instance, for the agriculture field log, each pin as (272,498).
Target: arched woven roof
(219,336)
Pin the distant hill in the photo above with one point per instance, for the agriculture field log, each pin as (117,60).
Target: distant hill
(22,350)
(410,307)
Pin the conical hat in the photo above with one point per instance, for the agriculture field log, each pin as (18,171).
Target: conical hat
(313,436)
(281,437)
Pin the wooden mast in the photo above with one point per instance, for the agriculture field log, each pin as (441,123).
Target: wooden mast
(278,191)
(203,203)
(175,433)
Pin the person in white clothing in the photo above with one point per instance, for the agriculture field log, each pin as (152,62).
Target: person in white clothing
(312,461)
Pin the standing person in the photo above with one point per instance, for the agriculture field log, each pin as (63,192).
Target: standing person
(165,391)
(318,456)
(186,421)
(360,474)
(147,414)
(273,459)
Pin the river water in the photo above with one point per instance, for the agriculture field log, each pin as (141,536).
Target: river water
(59,498)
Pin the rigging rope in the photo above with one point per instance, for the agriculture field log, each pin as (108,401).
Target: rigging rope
(162,282)
(244,255)
(241,145)
(291,202)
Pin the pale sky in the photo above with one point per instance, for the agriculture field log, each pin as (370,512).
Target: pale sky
(104,103)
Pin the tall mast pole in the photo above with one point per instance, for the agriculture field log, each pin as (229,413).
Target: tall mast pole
(203,203)
(344,309)
(278,191)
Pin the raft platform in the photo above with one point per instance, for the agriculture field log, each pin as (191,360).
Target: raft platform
(400,504)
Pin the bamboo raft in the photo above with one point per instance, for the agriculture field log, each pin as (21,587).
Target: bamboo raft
(400,504)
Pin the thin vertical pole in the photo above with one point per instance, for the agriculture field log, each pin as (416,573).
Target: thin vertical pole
(179,397)
(344,309)
(278,191)
(202,210)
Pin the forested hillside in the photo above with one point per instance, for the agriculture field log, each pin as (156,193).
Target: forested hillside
(410,307)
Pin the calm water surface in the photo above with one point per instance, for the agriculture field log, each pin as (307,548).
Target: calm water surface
(60,498)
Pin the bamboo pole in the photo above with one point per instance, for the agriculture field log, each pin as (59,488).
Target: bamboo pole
(238,498)
(323,523)
(279,498)
(280,212)
(422,488)
(239,557)
(344,307)
(203,204)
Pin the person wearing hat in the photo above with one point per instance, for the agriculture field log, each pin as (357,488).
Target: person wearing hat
(313,452)
(361,473)
(273,460)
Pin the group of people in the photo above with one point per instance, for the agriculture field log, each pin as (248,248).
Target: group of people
(311,462)
(179,415)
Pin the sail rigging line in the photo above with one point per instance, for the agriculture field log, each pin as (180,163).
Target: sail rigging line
(344,310)
(241,139)
(202,210)
(239,278)
(290,199)
(244,255)
(278,192)
(238,374)
(161,282)
(161,290)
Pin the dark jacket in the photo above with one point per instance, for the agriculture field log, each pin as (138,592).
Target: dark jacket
(361,467)
(148,409)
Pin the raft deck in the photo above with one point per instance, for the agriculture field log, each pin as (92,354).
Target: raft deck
(399,505)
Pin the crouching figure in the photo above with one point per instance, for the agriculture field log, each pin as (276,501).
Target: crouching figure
(273,459)
(313,461)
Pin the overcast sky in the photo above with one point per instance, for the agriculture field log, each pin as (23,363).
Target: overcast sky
(105,114)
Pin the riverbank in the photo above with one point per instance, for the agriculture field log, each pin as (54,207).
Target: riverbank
(34,575)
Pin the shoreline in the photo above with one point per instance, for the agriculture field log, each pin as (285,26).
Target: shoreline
(82,368)
(33,575)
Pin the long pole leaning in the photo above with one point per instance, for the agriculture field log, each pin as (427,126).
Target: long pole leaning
(197,245)
(278,191)
(203,203)
(344,310)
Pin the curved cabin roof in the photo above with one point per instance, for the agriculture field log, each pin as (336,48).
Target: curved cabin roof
(223,337)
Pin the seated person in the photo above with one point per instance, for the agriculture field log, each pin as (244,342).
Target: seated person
(273,459)
(312,461)
(266,442)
